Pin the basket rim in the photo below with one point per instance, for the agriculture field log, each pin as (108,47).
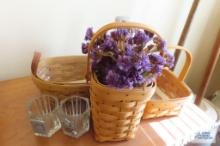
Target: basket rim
(74,82)
(182,82)
(137,89)
(179,98)
(63,56)
(58,84)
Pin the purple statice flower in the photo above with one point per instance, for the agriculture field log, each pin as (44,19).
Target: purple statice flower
(129,83)
(119,34)
(169,59)
(163,45)
(138,79)
(157,69)
(128,49)
(156,59)
(140,38)
(109,44)
(124,63)
(88,37)
(142,63)
(89,34)
(125,58)
(145,62)
(112,77)
(115,79)
(101,68)
(150,34)
(130,40)
(96,59)
(84,48)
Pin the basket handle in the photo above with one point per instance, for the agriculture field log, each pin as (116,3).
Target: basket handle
(35,61)
(115,25)
(187,63)
(110,26)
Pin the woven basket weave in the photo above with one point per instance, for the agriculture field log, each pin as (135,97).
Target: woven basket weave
(171,92)
(60,76)
(116,113)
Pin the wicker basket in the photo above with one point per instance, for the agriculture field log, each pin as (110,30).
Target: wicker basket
(60,76)
(171,92)
(116,113)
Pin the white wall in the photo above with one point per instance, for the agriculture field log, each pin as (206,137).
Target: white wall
(56,27)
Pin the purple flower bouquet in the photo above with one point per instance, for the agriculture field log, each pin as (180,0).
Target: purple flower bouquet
(127,58)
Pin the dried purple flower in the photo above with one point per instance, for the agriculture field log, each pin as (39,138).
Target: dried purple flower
(119,34)
(109,44)
(163,45)
(84,48)
(120,60)
(124,62)
(169,60)
(157,69)
(139,79)
(128,49)
(150,34)
(156,59)
(141,38)
(89,34)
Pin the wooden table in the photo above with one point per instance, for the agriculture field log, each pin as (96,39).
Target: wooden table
(15,128)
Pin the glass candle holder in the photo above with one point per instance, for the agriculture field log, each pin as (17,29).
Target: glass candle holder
(74,115)
(43,115)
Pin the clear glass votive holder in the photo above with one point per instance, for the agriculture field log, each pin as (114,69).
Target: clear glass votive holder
(43,115)
(74,115)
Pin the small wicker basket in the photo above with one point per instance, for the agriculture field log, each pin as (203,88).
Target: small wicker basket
(60,76)
(116,113)
(171,92)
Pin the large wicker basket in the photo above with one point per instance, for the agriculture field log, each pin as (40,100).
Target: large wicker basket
(116,113)
(171,92)
(60,76)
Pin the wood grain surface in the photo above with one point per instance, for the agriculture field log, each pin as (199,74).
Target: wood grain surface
(15,128)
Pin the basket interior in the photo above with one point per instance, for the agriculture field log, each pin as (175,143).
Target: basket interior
(62,69)
(169,85)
